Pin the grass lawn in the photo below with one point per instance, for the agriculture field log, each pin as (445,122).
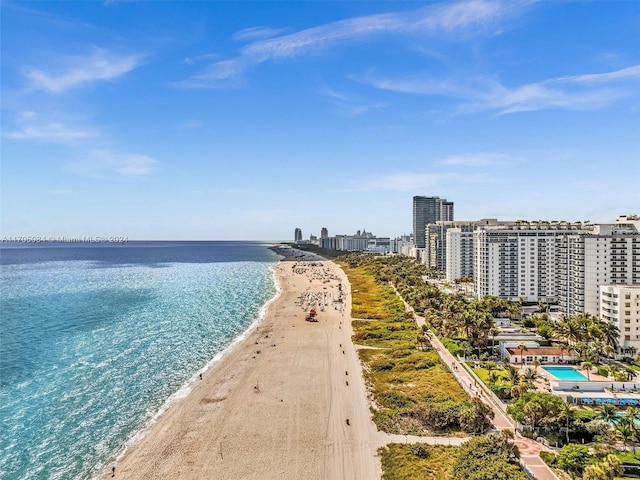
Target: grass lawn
(483,373)
(417,461)
(628,457)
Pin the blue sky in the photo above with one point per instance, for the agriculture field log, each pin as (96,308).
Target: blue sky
(244,120)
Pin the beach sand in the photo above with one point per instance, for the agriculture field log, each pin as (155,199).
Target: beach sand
(277,414)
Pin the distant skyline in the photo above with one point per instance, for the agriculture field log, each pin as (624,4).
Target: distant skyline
(244,120)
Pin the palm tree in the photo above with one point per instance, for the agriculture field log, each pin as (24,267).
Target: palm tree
(630,373)
(490,365)
(632,416)
(523,348)
(587,367)
(566,413)
(513,375)
(562,350)
(607,413)
(625,433)
(610,334)
(530,375)
(494,332)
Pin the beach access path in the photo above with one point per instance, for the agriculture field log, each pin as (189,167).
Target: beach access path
(275,407)
(529,449)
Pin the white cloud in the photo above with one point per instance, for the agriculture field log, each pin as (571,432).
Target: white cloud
(77,71)
(200,58)
(360,109)
(405,181)
(480,159)
(580,92)
(459,18)
(51,132)
(106,164)
(255,33)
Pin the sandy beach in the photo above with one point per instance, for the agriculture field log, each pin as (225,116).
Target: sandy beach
(277,405)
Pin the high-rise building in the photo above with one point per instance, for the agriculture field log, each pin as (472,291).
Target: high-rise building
(620,305)
(607,254)
(435,250)
(520,261)
(297,235)
(428,210)
(324,233)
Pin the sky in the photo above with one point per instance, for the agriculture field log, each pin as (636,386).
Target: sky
(240,120)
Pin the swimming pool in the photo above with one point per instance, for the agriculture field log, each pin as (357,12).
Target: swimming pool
(566,373)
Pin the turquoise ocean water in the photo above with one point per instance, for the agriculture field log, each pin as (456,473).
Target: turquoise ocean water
(97,340)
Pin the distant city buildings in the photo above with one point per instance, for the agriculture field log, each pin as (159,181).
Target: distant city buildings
(297,235)
(577,266)
(362,241)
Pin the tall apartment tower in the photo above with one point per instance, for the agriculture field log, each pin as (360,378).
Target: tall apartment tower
(297,235)
(324,233)
(521,261)
(608,254)
(428,210)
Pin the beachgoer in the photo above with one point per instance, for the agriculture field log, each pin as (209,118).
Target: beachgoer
(113,471)
(200,376)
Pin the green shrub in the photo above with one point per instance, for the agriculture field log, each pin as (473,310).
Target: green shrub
(548,457)
(383,365)
(419,450)
(603,372)
(394,400)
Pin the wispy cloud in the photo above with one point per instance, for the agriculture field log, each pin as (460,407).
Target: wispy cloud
(417,181)
(459,18)
(360,109)
(480,159)
(106,164)
(405,181)
(31,127)
(579,92)
(76,71)
(201,58)
(256,33)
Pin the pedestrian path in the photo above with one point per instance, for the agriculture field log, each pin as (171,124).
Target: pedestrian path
(529,449)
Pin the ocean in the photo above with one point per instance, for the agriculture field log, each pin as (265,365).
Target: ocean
(96,340)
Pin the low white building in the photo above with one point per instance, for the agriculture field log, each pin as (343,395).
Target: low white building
(545,355)
(620,305)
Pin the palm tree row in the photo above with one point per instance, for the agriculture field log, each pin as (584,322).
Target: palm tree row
(590,336)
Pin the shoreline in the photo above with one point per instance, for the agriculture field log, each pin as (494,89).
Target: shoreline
(275,404)
(185,390)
